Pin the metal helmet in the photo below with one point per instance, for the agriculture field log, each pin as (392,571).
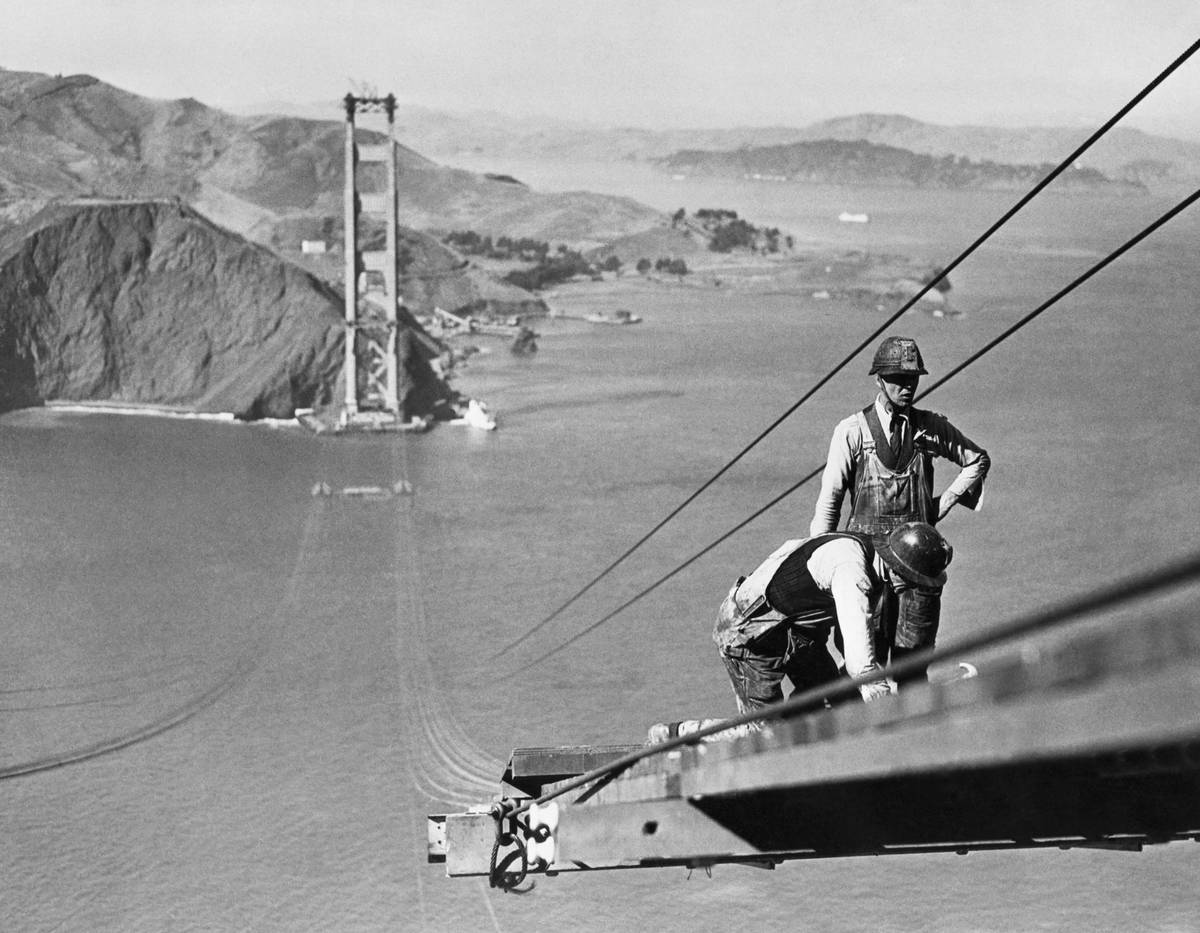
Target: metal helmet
(898,355)
(917,552)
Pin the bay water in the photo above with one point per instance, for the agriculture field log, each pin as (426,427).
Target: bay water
(227,703)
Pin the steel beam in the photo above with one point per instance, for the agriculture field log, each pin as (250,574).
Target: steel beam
(1092,741)
(530,771)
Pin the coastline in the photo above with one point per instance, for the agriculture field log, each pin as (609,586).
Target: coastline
(145,409)
(824,280)
(827,275)
(152,410)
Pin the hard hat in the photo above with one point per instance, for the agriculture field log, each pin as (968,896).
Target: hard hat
(897,355)
(917,552)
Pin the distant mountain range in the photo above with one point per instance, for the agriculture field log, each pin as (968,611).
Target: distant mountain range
(278,177)
(77,136)
(1123,155)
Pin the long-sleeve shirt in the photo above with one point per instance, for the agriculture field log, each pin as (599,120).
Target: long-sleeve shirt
(935,433)
(840,567)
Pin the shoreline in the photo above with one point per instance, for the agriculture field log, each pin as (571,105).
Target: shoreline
(145,409)
(822,276)
(150,410)
(817,280)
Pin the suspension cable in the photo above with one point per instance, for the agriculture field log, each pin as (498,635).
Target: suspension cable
(934,280)
(1180,573)
(1079,280)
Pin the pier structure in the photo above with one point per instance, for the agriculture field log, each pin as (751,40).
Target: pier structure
(370,369)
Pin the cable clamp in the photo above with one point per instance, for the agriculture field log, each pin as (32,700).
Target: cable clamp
(542,825)
(510,835)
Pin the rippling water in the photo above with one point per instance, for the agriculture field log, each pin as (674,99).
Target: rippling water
(232,702)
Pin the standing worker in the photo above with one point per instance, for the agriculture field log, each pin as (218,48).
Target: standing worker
(883,456)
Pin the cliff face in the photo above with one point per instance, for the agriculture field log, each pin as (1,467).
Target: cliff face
(147,301)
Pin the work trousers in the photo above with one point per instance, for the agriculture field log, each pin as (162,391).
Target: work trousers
(906,621)
(756,670)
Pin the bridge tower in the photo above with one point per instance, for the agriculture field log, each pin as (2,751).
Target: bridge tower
(370,274)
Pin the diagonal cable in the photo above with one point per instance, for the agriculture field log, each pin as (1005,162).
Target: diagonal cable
(1079,280)
(1029,196)
(1182,572)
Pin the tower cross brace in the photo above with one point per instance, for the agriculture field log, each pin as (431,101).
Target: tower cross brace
(370,311)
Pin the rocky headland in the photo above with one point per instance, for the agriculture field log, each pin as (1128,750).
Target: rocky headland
(147,301)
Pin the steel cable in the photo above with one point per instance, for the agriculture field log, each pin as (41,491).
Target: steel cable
(1180,573)
(1079,280)
(1029,196)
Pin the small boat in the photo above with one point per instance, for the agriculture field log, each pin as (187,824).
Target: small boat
(476,415)
(399,488)
(848,218)
(620,316)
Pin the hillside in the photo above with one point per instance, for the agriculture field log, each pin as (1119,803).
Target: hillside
(77,136)
(861,163)
(147,301)
(1124,154)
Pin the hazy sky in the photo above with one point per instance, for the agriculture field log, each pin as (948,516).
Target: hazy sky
(640,62)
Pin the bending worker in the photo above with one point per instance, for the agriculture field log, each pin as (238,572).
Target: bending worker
(883,456)
(777,621)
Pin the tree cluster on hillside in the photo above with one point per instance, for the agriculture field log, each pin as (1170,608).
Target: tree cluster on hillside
(551,270)
(937,275)
(671,266)
(727,231)
(715,215)
(523,249)
(662,264)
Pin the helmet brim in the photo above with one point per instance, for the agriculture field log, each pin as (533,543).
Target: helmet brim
(897,370)
(892,559)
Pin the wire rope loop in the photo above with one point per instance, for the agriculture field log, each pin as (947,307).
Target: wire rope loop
(499,875)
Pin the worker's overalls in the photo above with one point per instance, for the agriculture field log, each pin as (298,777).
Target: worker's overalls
(760,645)
(891,489)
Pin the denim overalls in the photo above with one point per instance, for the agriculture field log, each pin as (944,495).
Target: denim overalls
(886,495)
